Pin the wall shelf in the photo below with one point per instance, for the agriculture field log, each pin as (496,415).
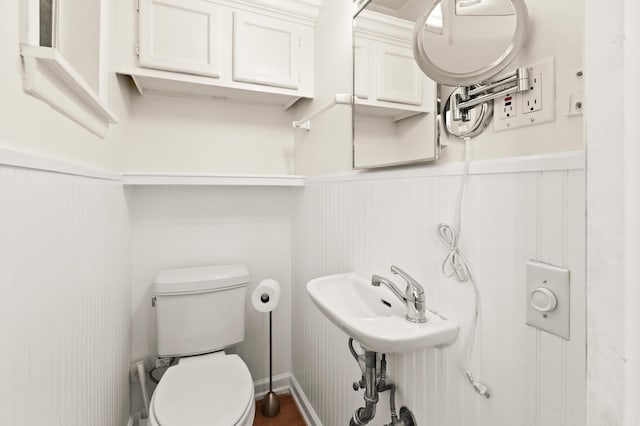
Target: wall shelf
(394,113)
(149,82)
(177,179)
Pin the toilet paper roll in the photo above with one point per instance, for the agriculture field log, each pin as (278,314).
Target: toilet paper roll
(266,295)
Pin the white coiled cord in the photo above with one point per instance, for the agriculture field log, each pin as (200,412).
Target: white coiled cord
(456,266)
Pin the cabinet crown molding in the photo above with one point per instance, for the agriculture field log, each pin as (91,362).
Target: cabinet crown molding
(306,10)
(378,25)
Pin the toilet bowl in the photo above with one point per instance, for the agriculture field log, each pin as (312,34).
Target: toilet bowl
(206,390)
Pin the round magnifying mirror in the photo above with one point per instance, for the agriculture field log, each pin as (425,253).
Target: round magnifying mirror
(464,42)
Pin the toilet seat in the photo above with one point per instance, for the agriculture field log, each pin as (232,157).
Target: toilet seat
(206,390)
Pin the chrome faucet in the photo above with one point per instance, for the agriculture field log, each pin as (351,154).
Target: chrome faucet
(413,296)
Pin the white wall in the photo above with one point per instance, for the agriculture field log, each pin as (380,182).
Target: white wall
(556,30)
(197,226)
(202,136)
(367,224)
(632,213)
(29,124)
(65,306)
(326,148)
(611,145)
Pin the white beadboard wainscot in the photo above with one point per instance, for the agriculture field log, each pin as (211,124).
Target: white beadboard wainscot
(527,208)
(65,299)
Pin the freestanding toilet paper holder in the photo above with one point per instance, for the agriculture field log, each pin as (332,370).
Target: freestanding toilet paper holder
(270,403)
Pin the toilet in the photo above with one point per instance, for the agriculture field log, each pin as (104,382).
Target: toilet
(200,312)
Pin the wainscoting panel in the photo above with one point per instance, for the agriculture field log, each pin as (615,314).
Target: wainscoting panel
(367,223)
(65,299)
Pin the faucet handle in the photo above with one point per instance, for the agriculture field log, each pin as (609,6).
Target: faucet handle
(413,286)
(415,297)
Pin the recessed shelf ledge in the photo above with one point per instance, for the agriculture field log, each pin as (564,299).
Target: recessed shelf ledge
(50,78)
(149,179)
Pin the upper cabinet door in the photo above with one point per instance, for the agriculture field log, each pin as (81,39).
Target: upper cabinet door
(399,78)
(361,66)
(180,35)
(266,50)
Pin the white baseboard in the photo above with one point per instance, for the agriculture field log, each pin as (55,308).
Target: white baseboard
(309,414)
(287,383)
(281,383)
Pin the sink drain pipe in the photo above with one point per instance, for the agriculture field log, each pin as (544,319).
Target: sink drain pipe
(373,385)
(364,415)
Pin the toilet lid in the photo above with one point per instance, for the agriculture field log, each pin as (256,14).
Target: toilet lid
(216,391)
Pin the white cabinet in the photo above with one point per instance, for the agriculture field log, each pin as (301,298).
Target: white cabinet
(399,78)
(248,51)
(266,50)
(387,80)
(180,35)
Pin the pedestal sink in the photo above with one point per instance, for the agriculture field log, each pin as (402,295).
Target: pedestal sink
(374,317)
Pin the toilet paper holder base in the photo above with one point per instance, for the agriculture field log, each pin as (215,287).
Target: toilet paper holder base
(270,402)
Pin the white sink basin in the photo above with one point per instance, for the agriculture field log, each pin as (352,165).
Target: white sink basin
(374,317)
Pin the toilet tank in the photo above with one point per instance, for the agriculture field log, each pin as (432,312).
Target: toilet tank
(201,309)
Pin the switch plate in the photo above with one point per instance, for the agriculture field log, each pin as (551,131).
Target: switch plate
(541,97)
(557,280)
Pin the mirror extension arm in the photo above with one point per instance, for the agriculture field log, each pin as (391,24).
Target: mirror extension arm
(461,103)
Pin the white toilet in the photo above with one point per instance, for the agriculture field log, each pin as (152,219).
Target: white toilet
(201,311)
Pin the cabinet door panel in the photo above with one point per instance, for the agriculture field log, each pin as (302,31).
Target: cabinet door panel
(361,67)
(399,78)
(265,50)
(180,35)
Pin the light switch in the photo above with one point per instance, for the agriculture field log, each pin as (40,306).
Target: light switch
(548,298)
(543,300)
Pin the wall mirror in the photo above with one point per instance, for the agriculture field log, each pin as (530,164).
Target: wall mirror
(466,43)
(395,103)
(64,51)
(73,28)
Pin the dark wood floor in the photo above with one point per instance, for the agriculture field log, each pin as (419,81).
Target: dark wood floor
(289,414)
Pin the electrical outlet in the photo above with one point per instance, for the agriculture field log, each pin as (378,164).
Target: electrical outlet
(506,107)
(532,100)
(535,106)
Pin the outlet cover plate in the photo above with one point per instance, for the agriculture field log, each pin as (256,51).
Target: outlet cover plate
(545,70)
(557,280)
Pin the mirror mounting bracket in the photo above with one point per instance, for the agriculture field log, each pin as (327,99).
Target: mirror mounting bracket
(470,97)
